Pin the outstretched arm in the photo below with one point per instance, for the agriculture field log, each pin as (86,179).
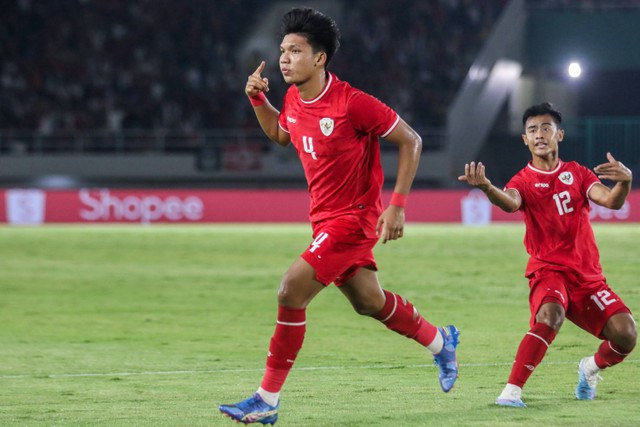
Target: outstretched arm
(266,113)
(391,222)
(474,175)
(612,198)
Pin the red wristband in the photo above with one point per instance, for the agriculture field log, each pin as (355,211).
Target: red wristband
(398,199)
(258,100)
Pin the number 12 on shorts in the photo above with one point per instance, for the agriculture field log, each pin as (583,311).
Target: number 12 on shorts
(601,298)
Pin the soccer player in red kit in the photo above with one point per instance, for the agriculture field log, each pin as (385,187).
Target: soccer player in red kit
(335,129)
(564,272)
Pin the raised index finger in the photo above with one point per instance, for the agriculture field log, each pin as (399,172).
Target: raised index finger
(258,70)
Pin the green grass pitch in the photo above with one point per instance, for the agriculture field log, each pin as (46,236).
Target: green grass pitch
(157,325)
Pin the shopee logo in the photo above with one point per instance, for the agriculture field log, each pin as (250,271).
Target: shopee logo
(103,206)
(25,206)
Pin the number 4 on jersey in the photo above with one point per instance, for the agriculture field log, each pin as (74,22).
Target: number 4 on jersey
(307,144)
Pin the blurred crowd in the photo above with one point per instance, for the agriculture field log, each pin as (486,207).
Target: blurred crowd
(170,64)
(414,55)
(583,5)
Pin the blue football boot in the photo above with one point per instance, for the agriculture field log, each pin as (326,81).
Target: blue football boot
(446,359)
(515,402)
(251,410)
(587,384)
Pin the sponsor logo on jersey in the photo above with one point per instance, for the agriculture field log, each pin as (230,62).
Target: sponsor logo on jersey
(291,119)
(541,184)
(566,177)
(326,126)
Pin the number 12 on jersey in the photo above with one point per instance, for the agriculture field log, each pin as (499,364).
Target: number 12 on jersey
(562,202)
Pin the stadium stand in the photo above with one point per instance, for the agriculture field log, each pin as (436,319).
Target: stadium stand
(126,64)
(86,86)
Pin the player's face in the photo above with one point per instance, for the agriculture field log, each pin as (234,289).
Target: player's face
(542,136)
(298,63)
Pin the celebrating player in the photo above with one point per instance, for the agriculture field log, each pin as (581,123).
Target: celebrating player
(564,272)
(335,129)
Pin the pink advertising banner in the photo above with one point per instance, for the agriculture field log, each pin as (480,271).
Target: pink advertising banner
(35,206)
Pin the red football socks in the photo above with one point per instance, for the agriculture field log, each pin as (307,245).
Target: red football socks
(284,346)
(400,316)
(532,349)
(607,355)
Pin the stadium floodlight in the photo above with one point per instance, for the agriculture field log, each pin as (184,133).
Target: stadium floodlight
(574,70)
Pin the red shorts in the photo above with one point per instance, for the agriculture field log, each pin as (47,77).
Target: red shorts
(340,247)
(589,305)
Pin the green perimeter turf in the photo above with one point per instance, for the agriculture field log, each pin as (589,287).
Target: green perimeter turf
(157,325)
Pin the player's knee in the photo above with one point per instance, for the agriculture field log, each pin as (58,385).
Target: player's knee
(287,296)
(551,315)
(283,297)
(630,342)
(633,336)
(553,323)
(627,338)
(621,331)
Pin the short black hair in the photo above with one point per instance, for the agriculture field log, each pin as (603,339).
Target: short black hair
(541,110)
(320,30)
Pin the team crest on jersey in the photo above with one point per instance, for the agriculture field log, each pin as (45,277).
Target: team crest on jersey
(566,177)
(326,126)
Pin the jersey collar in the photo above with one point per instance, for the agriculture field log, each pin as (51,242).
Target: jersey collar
(551,172)
(326,88)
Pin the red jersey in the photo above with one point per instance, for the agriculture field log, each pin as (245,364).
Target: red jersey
(556,208)
(336,137)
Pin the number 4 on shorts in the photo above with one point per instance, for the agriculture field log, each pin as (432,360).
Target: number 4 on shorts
(318,241)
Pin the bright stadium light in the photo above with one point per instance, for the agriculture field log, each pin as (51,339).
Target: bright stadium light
(574,70)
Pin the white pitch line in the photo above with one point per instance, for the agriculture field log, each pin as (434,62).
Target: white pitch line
(302,368)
